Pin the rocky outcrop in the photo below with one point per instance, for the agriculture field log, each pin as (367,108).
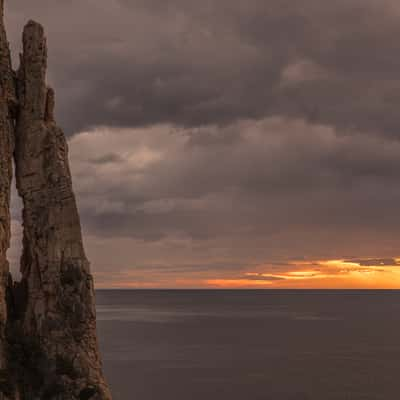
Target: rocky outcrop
(48,345)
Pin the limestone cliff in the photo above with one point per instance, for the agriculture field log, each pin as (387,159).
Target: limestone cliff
(48,344)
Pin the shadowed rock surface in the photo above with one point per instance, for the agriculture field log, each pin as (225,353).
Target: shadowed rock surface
(7,107)
(48,343)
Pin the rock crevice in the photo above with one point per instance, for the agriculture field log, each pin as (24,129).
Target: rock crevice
(48,344)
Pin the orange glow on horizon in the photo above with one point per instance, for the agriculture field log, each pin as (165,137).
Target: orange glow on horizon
(322,274)
(326,274)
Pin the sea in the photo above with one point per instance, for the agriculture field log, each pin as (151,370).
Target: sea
(255,344)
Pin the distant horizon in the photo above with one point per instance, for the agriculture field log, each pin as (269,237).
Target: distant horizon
(328,274)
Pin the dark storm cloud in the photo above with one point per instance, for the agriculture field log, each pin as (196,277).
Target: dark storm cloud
(131,63)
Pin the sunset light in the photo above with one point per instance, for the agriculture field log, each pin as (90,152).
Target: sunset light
(327,274)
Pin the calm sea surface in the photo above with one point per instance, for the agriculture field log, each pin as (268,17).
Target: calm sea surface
(238,345)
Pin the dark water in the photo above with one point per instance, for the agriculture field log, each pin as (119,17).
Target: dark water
(231,345)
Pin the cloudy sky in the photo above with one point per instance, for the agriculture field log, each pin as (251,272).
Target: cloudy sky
(229,143)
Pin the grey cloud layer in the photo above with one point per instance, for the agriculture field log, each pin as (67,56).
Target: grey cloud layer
(132,63)
(279,189)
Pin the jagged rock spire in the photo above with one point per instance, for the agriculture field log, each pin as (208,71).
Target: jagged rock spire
(58,311)
(48,344)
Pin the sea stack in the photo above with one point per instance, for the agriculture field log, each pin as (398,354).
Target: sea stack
(48,343)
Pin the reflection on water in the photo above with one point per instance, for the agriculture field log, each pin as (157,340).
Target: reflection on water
(250,344)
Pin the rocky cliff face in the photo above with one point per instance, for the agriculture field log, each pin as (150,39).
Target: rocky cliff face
(48,345)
